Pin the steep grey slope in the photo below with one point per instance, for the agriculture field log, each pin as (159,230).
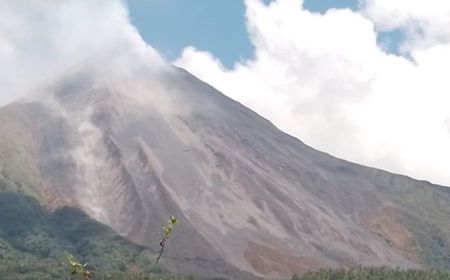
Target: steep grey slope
(132,150)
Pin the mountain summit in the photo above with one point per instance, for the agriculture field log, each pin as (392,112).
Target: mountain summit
(131,148)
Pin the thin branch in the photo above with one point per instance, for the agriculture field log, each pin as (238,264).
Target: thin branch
(162,244)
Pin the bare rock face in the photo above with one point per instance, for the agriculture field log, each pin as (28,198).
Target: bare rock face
(253,201)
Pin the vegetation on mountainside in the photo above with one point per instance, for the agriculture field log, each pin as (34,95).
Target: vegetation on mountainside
(433,244)
(18,169)
(34,244)
(423,209)
(81,270)
(374,273)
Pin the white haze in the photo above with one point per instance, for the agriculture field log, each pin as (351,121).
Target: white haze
(319,77)
(324,79)
(40,40)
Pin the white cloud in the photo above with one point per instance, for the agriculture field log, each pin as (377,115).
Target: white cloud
(324,79)
(41,39)
(426,22)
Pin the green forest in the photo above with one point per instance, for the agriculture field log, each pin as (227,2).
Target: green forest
(35,245)
(374,273)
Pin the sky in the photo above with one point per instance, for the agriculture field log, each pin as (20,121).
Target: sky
(365,81)
(216,26)
(171,25)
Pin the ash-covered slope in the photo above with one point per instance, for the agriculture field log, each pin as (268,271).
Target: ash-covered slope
(131,150)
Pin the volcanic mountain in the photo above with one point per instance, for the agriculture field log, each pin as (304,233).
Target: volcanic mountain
(131,148)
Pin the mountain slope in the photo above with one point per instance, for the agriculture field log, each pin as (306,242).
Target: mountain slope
(131,150)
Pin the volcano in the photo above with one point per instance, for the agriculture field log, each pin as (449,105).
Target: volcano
(131,148)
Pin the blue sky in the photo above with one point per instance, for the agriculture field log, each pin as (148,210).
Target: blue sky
(214,26)
(323,5)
